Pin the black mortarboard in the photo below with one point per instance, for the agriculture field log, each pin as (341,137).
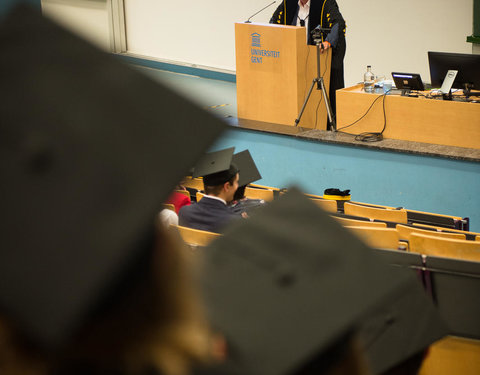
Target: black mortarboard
(401,330)
(216,167)
(249,172)
(90,148)
(289,282)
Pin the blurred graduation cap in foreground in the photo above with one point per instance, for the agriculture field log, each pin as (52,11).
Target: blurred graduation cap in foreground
(216,167)
(90,149)
(398,333)
(287,286)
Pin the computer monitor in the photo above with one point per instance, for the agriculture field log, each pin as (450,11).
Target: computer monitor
(467,65)
(407,82)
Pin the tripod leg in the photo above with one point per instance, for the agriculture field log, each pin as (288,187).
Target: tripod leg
(306,101)
(328,105)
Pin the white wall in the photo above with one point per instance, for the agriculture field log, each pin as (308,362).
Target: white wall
(193,31)
(399,33)
(390,35)
(88,18)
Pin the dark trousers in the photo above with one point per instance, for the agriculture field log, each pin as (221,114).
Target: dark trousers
(337,82)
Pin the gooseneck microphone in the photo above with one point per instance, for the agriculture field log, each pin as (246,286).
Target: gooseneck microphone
(261,10)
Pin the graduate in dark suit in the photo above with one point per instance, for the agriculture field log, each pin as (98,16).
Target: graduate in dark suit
(326,14)
(220,179)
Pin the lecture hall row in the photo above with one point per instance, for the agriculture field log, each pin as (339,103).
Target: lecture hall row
(439,249)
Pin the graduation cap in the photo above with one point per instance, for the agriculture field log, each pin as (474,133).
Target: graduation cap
(288,283)
(396,335)
(90,149)
(216,167)
(249,172)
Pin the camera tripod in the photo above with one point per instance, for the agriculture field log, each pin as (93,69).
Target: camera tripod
(318,80)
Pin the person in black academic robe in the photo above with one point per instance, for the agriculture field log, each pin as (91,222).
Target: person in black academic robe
(325,13)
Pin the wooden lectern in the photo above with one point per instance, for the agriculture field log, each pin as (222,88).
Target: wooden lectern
(275,68)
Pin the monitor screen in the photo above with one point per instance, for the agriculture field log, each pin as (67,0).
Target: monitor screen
(408,81)
(468,66)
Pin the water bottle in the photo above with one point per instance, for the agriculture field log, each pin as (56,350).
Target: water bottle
(369,80)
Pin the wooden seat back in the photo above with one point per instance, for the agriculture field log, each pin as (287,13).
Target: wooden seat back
(379,238)
(397,216)
(452,355)
(447,230)
(194,183)
(346,222)
(445,247)
(196,237)
(405,231)
(184,192)
(169,206)
(254,193)
(326,204)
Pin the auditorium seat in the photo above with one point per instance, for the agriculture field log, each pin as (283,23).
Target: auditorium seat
(169,206)
(452,355)
(195,237)
(193,183)
(468,235)
(254,193)
(359,223)
(257,186)
(405,231)
(199,196)
(445,247)
(326,204)
(373,205)
(430,218)
(397,216)
(379,238)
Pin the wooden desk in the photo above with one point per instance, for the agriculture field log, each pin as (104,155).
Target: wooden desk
(411,119)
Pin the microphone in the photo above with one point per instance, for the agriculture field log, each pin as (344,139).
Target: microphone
(248,21)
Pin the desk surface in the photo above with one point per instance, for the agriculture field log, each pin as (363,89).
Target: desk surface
(422,120)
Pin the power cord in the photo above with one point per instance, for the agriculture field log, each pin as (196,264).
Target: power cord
(369,136)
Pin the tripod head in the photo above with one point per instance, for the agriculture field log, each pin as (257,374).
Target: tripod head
(318,34)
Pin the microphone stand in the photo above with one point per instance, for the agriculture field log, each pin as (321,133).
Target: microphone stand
(318,80)
(248,21)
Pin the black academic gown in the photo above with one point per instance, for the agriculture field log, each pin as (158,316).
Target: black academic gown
(329,18)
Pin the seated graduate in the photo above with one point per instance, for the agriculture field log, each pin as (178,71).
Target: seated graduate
(240,204)
(290,289)
(87,284)
(220,180)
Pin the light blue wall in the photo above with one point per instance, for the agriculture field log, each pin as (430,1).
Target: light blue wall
(416,182)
